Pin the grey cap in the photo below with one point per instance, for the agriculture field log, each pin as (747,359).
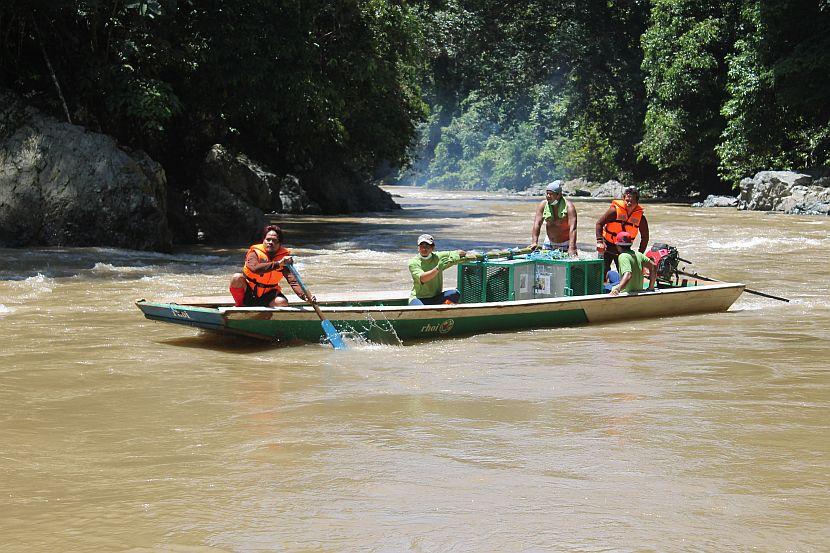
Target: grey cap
(426,238)
(555,187)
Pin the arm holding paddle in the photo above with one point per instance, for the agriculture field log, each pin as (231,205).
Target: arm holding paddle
(291,278)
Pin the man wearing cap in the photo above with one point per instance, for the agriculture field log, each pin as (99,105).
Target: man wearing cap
(625,215)
(559,216)
(630,264)
(427,268)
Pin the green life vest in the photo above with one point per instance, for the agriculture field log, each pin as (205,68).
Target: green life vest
(561,209)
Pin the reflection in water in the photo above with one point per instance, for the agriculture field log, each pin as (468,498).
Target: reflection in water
(119,433)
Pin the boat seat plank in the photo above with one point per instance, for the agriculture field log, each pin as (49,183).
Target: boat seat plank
(328,299)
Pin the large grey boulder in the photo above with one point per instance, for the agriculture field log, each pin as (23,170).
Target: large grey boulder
(233,194)
(609,189)
(292,198)
(786,191)
(717,201)
(337,189)
(61,184)
(577,187)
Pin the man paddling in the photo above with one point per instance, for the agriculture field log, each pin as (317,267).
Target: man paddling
(630,264)
(426,269)
(625,215)
(265,265)
(559,216)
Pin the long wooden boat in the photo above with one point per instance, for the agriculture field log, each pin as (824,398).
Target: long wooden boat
(385,316)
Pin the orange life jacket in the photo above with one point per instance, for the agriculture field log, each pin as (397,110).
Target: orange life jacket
(268,281)
(623,222)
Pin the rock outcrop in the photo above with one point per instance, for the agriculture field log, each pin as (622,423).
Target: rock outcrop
(787,191)
(717,201)
(233,192)
(579,188)
(609,189)
(337,190)
(63,185)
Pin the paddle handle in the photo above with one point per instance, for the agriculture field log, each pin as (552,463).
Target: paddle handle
(748,290)
(316,308)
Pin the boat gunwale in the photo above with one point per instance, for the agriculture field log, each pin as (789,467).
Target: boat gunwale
(303,311)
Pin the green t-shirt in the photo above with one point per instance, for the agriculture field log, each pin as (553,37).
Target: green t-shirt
(632,262)
(418,266)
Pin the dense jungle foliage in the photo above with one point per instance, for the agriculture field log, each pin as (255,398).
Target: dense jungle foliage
(686,96)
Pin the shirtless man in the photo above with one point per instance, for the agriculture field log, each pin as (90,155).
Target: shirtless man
(559,216)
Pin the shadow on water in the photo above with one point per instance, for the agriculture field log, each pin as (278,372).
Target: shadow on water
(226,343)
(242,345)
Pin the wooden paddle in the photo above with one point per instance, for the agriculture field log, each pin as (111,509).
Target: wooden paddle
(757,293)
(335,339)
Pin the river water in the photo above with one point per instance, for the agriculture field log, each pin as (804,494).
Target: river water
(697,433)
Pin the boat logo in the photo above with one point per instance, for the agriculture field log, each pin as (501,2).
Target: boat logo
(442,328)
(179,313)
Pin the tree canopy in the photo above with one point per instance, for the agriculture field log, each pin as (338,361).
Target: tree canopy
(683,95)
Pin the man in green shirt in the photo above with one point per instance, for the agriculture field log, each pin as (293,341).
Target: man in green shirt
(631,263)
(426,269)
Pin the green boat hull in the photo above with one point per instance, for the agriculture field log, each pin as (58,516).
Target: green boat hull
(387,319)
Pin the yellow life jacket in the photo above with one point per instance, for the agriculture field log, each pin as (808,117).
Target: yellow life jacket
(260,284)
(628,222)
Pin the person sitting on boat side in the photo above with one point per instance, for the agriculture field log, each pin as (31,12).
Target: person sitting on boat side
(631,265)
(559,216)
(625,215)
(427,268)
(258,283)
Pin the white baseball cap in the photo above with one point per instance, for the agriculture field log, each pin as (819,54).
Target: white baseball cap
(426,238)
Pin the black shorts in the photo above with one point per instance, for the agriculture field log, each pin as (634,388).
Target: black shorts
(251,300)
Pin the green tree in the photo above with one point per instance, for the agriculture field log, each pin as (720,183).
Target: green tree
(778,110)
(685,50)
(297,85)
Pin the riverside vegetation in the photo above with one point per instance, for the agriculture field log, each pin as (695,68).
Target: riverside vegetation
(313,100)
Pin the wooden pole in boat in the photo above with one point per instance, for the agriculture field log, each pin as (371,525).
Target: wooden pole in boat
(495,254)
(749,290)
(331,333)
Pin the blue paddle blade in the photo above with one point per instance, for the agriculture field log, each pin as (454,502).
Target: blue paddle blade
(333,336)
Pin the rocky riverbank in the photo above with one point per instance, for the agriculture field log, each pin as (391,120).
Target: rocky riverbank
(804,193)
(62,184)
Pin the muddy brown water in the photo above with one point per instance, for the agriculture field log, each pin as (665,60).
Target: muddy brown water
(697,433)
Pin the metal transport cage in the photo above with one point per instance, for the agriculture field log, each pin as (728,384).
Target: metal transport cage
(525,279)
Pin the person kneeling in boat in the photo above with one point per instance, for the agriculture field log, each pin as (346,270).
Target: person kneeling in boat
(631,263)
(265,265)
(427,268)
(559,216)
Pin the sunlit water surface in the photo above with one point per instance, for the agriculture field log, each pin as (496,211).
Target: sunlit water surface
(698,433)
